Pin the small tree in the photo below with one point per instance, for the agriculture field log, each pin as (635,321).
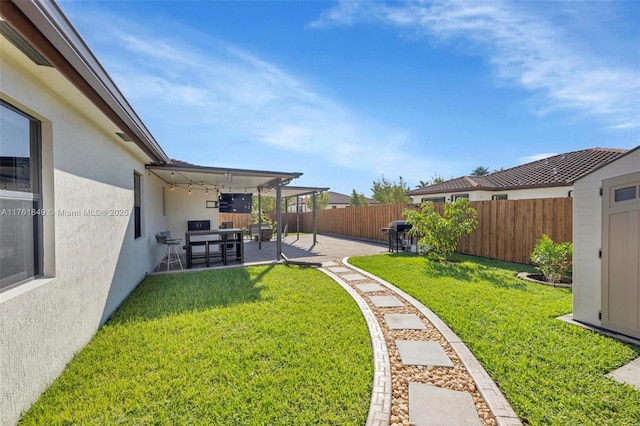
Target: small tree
(267,205)
(387,192)
(439,235)
(358,199)
(554,259)
(322,201)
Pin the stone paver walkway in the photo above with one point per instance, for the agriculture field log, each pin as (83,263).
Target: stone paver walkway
(424,374)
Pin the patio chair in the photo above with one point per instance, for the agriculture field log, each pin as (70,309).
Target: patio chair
(172,244)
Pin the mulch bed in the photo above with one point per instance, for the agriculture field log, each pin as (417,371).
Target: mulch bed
(540,279)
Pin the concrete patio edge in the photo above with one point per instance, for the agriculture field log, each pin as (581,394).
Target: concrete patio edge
(500,407)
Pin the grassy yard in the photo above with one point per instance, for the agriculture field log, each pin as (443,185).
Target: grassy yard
(269,345)
(550,371)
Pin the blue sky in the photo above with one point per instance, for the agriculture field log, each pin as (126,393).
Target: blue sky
(347,92)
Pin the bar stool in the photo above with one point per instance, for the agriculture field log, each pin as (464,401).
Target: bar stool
(172,255)
(222,246)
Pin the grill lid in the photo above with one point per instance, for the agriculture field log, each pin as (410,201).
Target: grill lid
(399,225)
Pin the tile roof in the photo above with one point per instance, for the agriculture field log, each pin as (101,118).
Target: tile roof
(338,198)
(559,170)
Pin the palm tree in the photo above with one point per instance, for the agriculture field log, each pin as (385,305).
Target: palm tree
(422,184)
(480,171)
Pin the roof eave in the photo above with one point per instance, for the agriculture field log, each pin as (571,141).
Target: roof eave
(46,28)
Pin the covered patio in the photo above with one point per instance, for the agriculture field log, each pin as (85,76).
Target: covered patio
(297,249)
(194,196)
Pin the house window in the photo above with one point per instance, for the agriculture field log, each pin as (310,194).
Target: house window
(137,206)
(434,199)
(499,197)
(334,207)
(456,196)
(20,199)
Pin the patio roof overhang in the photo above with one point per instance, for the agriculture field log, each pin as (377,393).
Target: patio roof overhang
(299,191)
(222,179)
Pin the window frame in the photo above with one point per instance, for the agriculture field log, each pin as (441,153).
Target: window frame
(434,199)
(34,194)
(137,205)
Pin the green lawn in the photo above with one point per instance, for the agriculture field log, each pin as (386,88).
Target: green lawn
(269,345)
(550,371)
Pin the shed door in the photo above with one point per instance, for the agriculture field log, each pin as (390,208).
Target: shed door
(621,254)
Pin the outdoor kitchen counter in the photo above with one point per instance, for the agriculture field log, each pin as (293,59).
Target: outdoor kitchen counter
(227,237)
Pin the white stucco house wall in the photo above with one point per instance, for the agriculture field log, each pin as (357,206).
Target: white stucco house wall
(551,177)
(80,203)
(606,240)
(69,254)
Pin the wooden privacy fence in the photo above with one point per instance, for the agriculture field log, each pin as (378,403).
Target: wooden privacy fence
(507,229)
(240,220)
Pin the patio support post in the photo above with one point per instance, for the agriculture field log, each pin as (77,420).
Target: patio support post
(315,218)
(259,219)
(298,217)
(278,220)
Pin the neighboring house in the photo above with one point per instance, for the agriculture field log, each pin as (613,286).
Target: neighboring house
(84,187)
(336,201)
(551,177)
(606,240)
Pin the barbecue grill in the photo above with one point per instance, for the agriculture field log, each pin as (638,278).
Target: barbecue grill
(397,232)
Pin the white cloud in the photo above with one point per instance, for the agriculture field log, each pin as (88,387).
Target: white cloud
(232,96)
(525,48)
(536,157)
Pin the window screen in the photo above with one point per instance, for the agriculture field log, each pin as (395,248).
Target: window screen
(20,199)
(137,206)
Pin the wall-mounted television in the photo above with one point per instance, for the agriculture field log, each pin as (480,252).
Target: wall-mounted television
(235,203)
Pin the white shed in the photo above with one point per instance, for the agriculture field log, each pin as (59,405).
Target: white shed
(606,240)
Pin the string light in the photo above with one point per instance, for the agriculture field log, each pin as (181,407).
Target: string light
(206,192)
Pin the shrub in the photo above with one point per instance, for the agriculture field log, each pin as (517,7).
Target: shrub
(265,219)
(554,259)
(439,235)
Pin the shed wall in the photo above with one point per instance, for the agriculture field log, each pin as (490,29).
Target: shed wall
(587,237)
